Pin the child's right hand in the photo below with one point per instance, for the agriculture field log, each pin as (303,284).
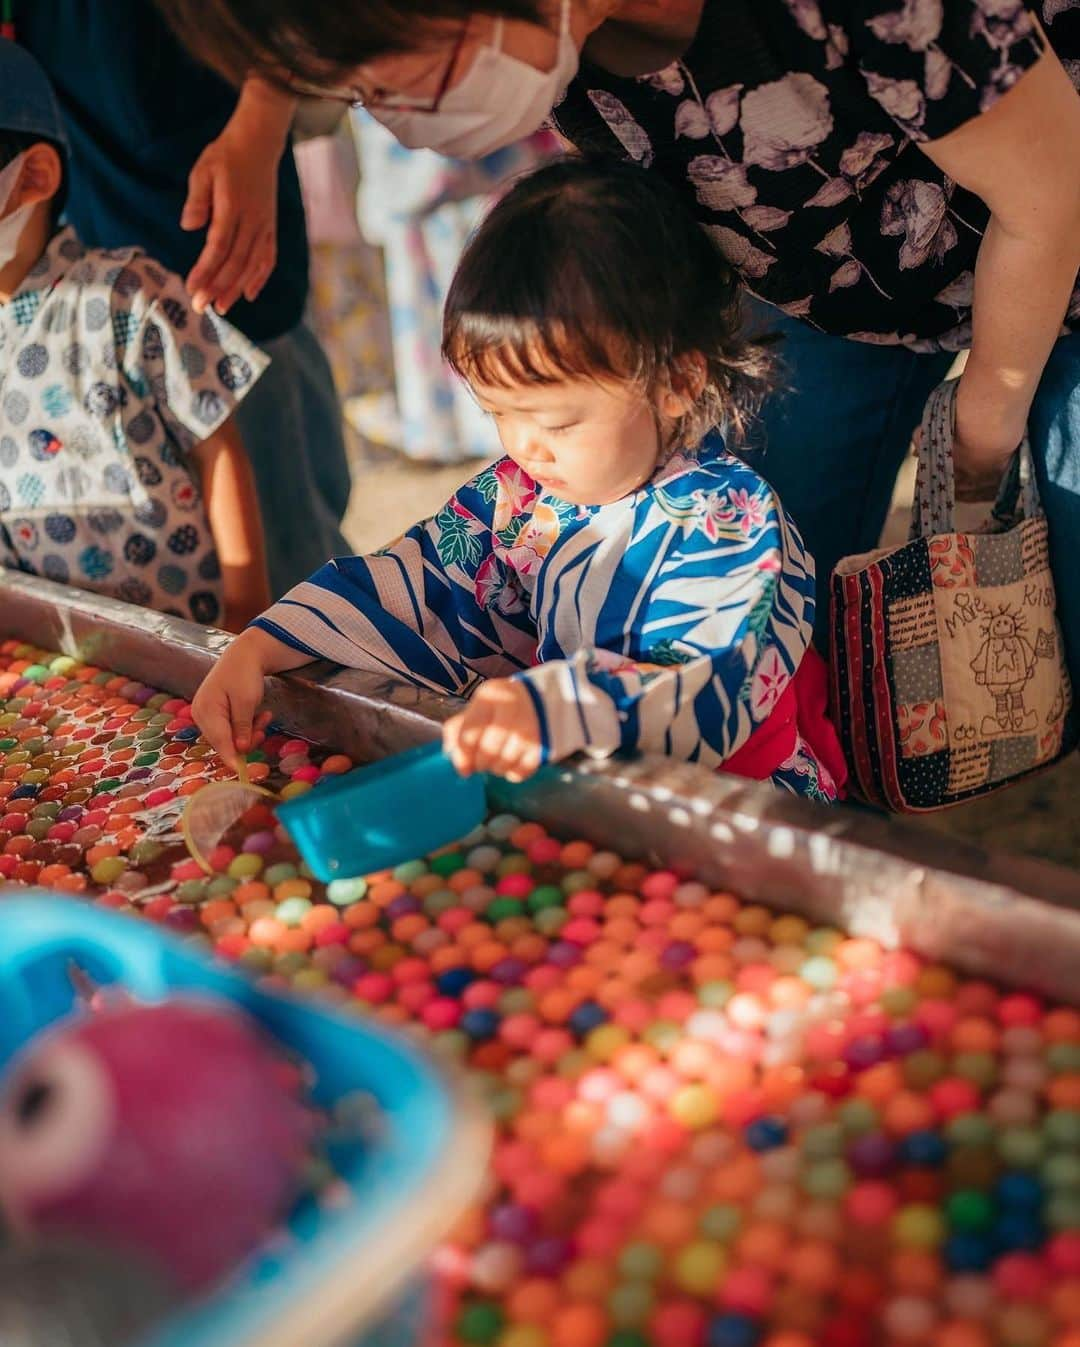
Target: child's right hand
(226,706)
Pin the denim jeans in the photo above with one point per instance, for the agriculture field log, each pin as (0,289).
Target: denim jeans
(291,426)
(832,441)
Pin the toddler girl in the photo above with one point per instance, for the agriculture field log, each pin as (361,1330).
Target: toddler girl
(618,581)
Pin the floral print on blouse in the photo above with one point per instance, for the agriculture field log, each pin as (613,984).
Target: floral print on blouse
(670,621)
(794,128)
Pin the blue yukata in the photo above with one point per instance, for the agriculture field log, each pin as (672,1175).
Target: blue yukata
(671,621)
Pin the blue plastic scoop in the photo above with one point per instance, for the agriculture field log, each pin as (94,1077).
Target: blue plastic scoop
(373,818)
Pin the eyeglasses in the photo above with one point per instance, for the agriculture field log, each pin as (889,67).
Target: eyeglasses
(376,97)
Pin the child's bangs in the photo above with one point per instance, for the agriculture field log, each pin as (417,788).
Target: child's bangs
(511,353)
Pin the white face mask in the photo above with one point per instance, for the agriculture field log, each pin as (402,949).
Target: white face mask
(12,226)
(500,100)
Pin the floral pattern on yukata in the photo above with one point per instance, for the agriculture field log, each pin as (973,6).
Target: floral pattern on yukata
(793,127)
(108,380)
(669,621)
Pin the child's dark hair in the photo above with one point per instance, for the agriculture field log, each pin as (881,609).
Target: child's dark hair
(596,267)
(14,143)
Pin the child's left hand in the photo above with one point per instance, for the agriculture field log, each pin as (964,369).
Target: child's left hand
(499,732)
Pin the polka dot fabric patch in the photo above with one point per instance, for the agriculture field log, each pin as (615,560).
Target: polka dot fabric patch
(948,673)
(110,383)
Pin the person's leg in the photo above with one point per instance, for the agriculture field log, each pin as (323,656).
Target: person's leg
(832,440)
(324,429)
(1054,430)
(302,530)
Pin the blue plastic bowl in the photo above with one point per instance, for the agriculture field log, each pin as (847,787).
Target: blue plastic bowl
(375,817)
(347,1276)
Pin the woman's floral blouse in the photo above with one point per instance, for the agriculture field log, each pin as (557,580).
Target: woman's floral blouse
(794,126)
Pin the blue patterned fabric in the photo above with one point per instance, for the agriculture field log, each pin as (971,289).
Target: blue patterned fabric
(670,621)
(108,381)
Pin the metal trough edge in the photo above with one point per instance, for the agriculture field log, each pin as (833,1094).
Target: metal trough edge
(989,914)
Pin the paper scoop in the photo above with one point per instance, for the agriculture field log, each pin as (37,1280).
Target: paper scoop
(375,817)
(212,811)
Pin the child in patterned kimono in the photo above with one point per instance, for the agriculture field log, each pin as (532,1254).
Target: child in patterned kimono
(619,581)
(121,468)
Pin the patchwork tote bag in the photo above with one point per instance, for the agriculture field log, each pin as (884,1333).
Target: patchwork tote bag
(948,671)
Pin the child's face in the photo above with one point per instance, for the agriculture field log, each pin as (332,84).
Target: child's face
(588,441)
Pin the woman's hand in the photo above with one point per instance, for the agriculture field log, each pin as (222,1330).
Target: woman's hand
(233,188)
(498,732)
(226,706)
(983,445)
(977,481)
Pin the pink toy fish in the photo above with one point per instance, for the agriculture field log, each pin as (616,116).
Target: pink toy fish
(171,1130)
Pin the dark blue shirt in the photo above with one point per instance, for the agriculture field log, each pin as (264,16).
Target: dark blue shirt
(139,112)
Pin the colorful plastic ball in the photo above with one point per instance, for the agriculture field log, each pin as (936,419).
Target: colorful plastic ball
(699,1267)
(480,1023)
(1021,1147)
(827,1178)
(765,1134)
(824,1141)
(967,1252)
(1062,1211)
(970,1129)
(677,1323)
(953,1096)
(1019,1010)
(908,1318)
(1021,1276)
(480,1323)
(1018,1189)
(1063,1253)
(732,1330)
(1018,1229)
(1061,1171)
(919,1226)
(630,1304)
(845,1330)
(969,1211)
(871,1155)
(924,1148)
(1062,1128)
(454,981)
(586,1017)
(548,1255)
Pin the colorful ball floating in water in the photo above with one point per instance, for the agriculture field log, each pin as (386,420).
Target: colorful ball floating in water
(717,1126)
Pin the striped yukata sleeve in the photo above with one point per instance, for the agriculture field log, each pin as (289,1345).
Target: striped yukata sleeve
(438,607)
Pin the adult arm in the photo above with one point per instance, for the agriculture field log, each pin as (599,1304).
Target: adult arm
(232,508)
(1022,157)
(233,189)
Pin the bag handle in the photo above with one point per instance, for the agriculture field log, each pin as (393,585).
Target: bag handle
(934,507)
